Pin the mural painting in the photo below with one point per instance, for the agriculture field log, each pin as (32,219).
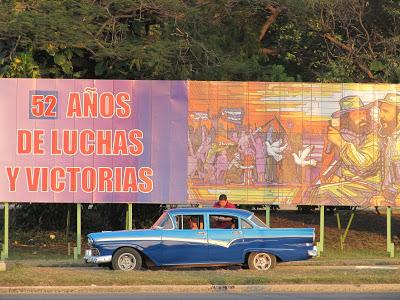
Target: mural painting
(294,143)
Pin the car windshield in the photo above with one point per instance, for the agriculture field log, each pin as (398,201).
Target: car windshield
(257,221)
(164,221)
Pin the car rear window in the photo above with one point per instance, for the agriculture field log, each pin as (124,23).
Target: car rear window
(257,221)
(246,224)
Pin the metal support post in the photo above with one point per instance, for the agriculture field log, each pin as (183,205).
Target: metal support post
(126,219)
(67,230)
(77,249)
(130,217)
(320,244)
(268,215)
(342,236)
(4,252)
(389,243)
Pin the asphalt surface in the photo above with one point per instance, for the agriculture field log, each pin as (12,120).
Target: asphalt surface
(222,296)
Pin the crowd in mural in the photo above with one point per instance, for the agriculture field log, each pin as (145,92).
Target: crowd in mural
(249,157)
(359,161)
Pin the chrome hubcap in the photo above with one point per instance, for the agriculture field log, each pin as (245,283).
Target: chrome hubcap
(262,261)
(126,262)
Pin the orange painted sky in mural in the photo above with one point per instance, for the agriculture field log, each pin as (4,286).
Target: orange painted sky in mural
(307,106)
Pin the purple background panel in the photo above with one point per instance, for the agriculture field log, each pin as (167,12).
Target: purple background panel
(64,87)
(8,125)
(159,109)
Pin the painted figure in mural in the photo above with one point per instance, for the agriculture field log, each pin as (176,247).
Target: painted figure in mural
(234,136)
(234,174)
(248,164)
(192,160)
(214,127)
(274,149)
(261,152)
(202,152)
(247,154)
(356,178)
(221,166)
(244,140)
(270,166)
(389,114)
(209,163)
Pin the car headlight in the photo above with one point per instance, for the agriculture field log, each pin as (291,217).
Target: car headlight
(90,241)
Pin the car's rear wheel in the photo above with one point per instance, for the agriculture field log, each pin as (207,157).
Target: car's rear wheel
(261,261)
(126,259)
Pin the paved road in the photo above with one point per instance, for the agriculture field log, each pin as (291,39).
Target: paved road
(219,296)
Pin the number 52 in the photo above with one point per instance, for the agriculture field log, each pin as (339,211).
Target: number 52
(43,106)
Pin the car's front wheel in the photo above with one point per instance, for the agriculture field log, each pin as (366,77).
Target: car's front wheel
(261,261)
(126,259)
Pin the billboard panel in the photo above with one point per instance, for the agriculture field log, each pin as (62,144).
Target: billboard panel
(294,143)
(93,141)
(177,142)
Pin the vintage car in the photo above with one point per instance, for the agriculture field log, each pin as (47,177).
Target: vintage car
(201,236)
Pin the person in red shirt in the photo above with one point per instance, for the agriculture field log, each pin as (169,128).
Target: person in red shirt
(223,202)
(223,222)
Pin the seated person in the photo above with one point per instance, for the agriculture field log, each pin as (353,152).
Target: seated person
(223,222)
(193,224)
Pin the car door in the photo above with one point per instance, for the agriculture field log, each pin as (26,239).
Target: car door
(225,239)
(185,244)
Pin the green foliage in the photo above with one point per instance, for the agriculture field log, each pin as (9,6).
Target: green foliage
(20,65)
(318,41)
(200,39)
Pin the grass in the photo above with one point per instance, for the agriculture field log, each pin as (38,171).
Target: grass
(35,259)
(64,274)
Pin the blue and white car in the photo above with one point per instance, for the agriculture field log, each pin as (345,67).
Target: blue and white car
(200,237)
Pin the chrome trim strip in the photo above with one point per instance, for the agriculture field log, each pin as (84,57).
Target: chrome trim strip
(147,238)
(97,259)
(189,240)
(121,239)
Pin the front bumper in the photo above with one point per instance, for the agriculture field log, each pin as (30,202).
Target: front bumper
(90,258)
(313,252)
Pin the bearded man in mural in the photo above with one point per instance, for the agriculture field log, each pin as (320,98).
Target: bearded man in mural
(354,176)
(389,117)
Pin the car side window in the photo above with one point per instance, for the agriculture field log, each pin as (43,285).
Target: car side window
(223,222)
(167,223)
(189,222)
(245,224)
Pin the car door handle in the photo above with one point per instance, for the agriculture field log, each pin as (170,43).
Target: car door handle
(202,233)
(237,232)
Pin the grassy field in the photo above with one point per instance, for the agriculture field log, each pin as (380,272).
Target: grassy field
(37,259)
(64,274)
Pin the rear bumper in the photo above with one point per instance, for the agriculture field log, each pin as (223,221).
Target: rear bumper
(313,252)
(90,258)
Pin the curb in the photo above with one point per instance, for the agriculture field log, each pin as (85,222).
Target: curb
(255,289)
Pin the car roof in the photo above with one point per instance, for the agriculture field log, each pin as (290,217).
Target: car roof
(239,212)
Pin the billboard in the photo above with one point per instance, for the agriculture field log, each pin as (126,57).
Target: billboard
(105,141)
